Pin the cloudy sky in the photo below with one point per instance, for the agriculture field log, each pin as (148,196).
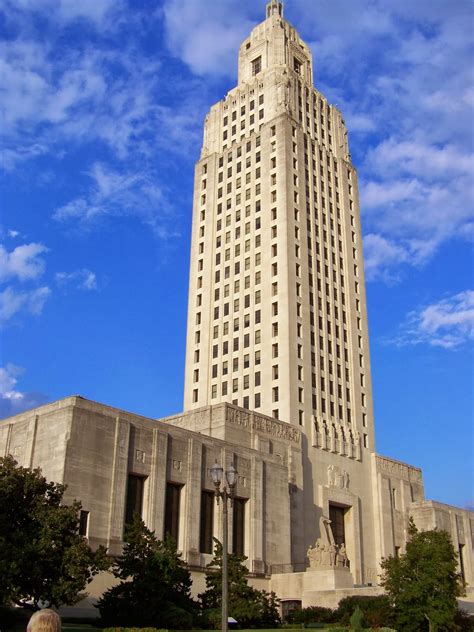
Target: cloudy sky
(102,103)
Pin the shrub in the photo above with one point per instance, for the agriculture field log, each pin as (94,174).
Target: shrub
(13,618)
(464,621)
(134,630)
(377,610)
(313,614)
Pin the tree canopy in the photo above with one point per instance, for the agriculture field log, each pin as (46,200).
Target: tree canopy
(42,556)
(249,606)
(155,588)
(423,584)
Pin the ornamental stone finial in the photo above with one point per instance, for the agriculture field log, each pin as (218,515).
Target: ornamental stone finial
(274,7)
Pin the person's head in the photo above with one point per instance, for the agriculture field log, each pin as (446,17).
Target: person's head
(45,620)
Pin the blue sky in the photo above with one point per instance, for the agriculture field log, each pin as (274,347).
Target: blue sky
(102,104)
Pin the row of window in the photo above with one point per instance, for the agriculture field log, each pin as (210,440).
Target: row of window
(172,517)
(309,107)
(243,111)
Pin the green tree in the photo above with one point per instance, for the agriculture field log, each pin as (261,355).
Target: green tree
(249,606)
(423,584)
(42,556)
(155,590)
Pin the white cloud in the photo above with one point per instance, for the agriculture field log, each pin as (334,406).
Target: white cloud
(12,400)
(117,194)
(23,263)
(14,302)
(449,323)
(83,279)
(381,255)
(206,34)
(420,159)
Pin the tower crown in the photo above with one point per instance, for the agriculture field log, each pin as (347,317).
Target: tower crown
(274,8)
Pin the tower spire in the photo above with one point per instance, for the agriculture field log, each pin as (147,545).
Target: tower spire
(274,7)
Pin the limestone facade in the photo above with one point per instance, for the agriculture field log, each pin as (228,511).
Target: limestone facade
(94,449)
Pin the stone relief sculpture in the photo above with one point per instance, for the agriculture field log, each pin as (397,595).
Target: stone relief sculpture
(336,437)
(338,478)
(284,92)
(326,554)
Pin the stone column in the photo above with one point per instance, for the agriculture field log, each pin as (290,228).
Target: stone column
(192,503)
(118,487)
(257,492)
(30,441)
(157,486)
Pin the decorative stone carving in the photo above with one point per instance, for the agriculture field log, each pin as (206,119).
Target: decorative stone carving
(284,92)
(338,478)
(326,553)
(335,437)
(395,467)
(342,560)
(266,425)
(140,456)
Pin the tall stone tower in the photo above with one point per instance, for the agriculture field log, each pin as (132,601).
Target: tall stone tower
(277,318)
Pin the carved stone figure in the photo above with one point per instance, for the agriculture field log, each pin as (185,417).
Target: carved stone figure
(345,479)
(284,92)
(342,556)
(330,475)
(325,553)
(314,554)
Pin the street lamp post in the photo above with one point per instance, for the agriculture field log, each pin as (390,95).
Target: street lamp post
(226,493)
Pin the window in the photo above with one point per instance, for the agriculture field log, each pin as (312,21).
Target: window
(134,502)
(256,66)
(238,527)
(207,522)
(84,523)
(172,502)
(257,400)
(275,394)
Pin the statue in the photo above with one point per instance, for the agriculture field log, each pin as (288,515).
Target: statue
(284,91)
(324,552)
(342,556)
(331,476)
(315,553)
